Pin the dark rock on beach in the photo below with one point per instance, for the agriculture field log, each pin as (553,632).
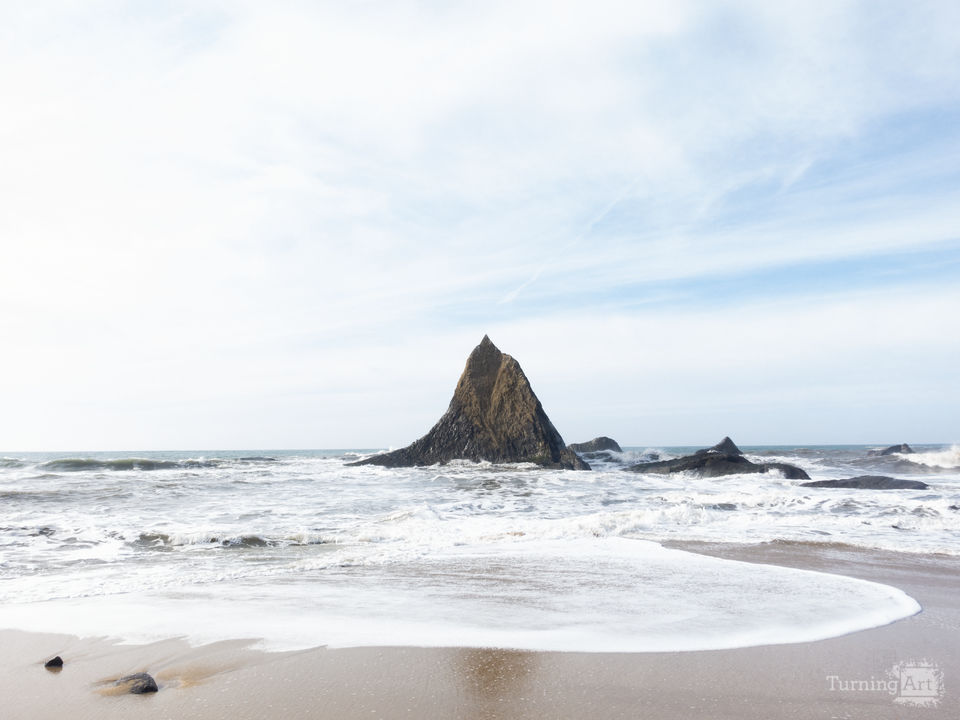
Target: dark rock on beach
(598,444)
(714,462)
(54,663)
(138,684)
(902,449)
(870,482)
(494,416)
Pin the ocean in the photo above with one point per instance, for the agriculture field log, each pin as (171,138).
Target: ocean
(295,549)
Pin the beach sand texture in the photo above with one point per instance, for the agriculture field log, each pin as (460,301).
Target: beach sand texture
(845,677)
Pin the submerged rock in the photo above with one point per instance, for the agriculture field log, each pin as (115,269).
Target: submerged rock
(714,462)
(598,444)
(138,684)
(494,416)
(54,663)
(902,449)
(870,482)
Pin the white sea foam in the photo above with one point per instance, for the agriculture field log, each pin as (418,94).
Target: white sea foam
(935,458)
(609,595)
(419,550)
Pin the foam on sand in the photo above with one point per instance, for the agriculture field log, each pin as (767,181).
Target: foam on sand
(593,595)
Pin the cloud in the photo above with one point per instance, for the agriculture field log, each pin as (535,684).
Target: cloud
(795,370)
(257,204)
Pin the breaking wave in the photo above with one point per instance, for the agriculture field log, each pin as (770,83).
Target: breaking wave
(949,459)
(121,464)
(463,553)
(156,540)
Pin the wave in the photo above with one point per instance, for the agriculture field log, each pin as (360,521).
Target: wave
(544,596)
(724,513)
(164,541)
(121,464)
(900,464)
(949,459)
(29,495)
(8,462)
(608,459)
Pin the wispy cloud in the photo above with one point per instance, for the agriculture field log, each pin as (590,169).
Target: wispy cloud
(257,203)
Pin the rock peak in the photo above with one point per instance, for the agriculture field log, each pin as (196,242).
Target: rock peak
(494,415)
(727,446)
(724,447)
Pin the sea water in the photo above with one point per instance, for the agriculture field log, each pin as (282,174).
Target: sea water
(299,549)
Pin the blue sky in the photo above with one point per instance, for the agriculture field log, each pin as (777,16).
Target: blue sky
(240,226)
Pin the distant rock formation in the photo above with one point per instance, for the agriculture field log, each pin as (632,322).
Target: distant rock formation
(55,664)
(596,445)
(716,462)
(725,446)
(599,450)
(494,416)
(138,684)
(902,449)
(870,482)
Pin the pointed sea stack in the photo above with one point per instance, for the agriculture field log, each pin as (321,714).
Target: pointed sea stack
(494,416)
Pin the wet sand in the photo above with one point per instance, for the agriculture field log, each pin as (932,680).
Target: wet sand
(844,677)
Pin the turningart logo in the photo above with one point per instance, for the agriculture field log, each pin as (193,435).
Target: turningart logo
(914,683)
(919,683)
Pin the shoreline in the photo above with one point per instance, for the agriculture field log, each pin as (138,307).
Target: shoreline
(234,680)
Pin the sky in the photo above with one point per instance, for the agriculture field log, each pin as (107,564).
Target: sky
(238,225)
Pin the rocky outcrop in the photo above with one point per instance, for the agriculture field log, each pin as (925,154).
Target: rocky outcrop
(598,444)
(494,416)
(712,462)
(55,664)
(138,684)
(901,449)
(870,482)
(725,446)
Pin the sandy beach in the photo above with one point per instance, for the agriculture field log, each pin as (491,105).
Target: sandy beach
(845,677)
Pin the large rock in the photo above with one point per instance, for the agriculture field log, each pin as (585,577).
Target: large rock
(870,482)
(712,462)
(598,444)
(494,415)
